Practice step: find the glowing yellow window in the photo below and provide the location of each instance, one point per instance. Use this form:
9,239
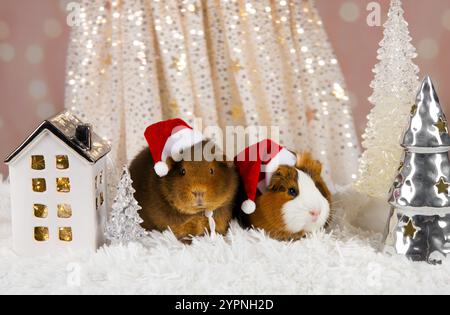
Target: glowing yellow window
40,211
39,185
38,162
65,234
41,234
64,211
62,162
63,184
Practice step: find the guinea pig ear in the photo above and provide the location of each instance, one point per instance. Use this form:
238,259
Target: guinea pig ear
223,160
277,180
306,163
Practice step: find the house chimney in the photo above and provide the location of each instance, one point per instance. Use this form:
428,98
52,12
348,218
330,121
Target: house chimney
83,135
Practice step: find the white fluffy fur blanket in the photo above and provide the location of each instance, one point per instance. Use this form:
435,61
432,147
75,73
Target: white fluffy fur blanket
244,262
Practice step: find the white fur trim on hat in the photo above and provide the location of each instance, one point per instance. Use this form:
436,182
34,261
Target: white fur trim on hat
248,206
284,157
181,140
161,168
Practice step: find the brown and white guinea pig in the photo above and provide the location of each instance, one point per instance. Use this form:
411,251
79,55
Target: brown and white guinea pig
296,202
179,200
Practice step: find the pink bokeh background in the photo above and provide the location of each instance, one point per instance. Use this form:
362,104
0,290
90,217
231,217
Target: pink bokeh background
34,37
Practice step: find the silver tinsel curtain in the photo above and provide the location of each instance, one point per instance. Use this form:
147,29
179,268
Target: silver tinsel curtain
230,62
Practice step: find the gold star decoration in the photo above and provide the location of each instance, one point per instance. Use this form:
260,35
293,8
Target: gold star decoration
441,125
179,64
108,60
173,105
236,66
236,112
442,186
243,14
413,110
311,114
410,230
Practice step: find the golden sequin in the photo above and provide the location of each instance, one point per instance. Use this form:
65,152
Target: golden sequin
236,66
179,63
339,92
193,8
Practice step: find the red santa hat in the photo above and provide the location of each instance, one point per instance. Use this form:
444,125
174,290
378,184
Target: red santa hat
256,165
167,139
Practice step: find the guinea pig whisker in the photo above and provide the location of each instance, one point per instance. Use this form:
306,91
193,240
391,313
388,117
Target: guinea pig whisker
334,218
337,202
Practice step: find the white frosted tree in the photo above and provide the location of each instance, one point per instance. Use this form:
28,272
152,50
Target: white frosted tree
394,88
124,224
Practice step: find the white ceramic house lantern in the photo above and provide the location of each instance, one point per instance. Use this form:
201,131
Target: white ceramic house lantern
58,187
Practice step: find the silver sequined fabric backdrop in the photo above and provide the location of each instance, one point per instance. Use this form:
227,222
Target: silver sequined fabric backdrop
34,38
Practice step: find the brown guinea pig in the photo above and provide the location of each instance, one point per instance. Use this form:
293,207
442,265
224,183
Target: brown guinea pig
296,202
179,200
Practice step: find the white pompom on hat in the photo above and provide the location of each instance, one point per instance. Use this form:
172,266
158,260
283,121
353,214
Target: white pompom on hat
167,138
256,165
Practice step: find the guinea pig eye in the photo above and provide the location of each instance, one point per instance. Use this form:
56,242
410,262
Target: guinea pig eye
211,171
182,172
292,192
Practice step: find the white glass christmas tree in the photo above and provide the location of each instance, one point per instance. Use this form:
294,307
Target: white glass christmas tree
124,223
394,88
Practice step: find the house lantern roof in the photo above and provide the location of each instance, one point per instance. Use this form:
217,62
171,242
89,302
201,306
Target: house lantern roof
73,132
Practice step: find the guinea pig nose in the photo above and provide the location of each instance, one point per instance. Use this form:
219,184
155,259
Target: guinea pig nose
315,213
199,196
198,193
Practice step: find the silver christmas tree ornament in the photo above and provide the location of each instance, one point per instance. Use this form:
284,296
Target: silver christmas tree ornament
422,182
419,222
428,130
